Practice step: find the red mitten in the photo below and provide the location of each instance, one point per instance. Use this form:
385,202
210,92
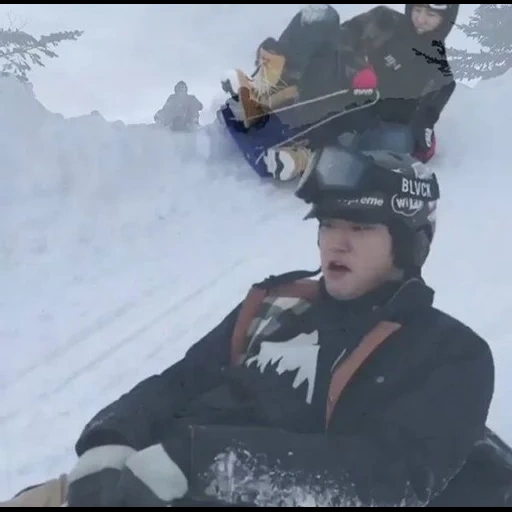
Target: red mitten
365,79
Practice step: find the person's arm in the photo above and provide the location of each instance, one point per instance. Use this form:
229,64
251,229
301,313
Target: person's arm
144,415
429,109
167,112
197,104
433,103
404,454
136,418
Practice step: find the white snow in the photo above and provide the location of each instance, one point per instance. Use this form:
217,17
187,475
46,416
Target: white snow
237,477
118,249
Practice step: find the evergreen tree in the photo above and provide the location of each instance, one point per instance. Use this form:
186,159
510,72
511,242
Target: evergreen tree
19,51
491,26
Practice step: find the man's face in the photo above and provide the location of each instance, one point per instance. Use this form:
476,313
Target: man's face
425,19
355,258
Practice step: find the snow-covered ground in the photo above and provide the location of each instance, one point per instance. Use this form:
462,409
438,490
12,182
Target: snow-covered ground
119,248
130,55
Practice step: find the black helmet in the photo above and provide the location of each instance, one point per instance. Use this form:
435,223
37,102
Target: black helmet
181,85
381,187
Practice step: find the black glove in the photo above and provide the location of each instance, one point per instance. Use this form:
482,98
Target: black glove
96,475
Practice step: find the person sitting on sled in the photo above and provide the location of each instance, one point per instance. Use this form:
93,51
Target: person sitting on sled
181,110
347,390
381,78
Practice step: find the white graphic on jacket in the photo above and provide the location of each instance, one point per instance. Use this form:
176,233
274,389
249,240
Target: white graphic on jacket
300,355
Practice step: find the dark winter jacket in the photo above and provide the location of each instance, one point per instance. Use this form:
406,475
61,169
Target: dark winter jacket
180,112
415,78
256,433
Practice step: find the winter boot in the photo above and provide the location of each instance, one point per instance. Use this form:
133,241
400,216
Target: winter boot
287,163
267,89
52,493
296,67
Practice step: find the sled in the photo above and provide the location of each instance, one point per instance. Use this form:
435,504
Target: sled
280,128
484,481
486,478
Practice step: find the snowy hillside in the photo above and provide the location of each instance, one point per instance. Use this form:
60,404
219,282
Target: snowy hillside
118,249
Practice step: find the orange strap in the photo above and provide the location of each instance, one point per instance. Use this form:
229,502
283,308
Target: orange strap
302,289
345,370
248,312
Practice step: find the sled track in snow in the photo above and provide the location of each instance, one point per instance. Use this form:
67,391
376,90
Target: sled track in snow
146,315
109,333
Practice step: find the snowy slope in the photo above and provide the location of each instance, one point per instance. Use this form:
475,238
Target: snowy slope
130,55
118,250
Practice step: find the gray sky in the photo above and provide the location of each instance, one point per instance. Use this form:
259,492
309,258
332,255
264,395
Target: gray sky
126,63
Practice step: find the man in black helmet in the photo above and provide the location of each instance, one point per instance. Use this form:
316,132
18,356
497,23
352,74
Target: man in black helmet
317,82
347,390
350,389
181,110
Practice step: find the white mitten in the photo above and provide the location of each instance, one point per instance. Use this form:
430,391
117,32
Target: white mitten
150,478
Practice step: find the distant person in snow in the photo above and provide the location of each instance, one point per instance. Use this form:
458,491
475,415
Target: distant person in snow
399,56
181,110
347,390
